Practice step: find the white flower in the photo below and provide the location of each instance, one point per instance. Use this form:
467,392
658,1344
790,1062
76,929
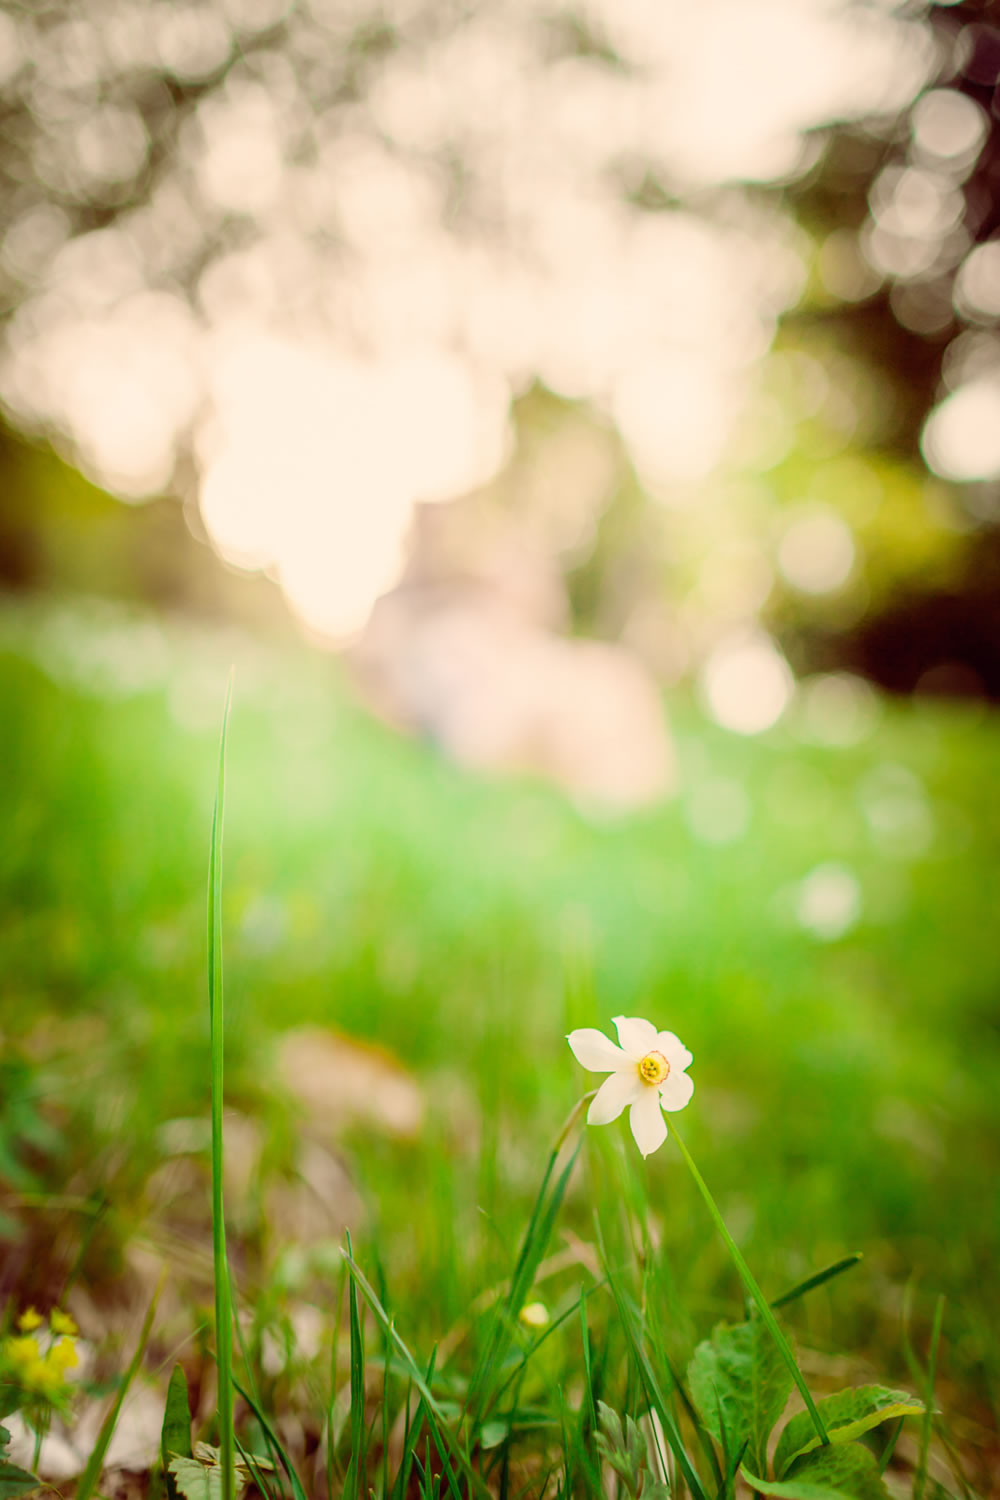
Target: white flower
647,1072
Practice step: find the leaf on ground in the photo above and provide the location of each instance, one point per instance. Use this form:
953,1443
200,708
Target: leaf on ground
15,1481
846,1415
846,1471
740,1383
195,1480
200,1477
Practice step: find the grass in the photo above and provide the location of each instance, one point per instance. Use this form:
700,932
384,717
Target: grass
845,1097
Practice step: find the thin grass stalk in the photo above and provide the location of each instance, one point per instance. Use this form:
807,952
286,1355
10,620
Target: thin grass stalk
890,1447
223,1301
95,1463
248,1367
440,1432
354,1482
274,1442
920,1479
749,1281
818,1279
334,1347
647,1379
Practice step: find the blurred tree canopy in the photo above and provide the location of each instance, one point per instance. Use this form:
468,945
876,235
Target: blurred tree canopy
188,162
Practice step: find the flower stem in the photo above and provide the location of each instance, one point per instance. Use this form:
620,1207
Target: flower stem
749,1281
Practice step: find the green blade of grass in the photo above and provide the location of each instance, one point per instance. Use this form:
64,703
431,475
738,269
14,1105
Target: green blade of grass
354,1483
588,1373
820,1277
274,1442
648,1380
749,1281
444,1439
482,1386
890,1447
518,1371
92,1472
256,1473
334,1347
704,1439
175,1434
248,1367
223,1304
920,1478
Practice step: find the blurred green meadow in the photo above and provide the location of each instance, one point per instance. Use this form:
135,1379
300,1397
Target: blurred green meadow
814,918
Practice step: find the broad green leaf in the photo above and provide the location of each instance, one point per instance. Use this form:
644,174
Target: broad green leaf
200,1478
846,1416
175,1435
15,1481
4,1437
195,1480
207,1453
739,1383
845,1471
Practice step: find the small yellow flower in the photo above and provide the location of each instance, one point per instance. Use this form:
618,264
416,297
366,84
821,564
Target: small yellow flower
40,1378
61,1322
22,1352
534,1315
29,1320
63,1356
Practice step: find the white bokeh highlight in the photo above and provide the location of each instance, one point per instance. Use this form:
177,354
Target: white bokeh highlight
746,683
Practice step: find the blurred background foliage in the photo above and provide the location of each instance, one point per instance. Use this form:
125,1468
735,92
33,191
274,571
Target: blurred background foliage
173,180
536,363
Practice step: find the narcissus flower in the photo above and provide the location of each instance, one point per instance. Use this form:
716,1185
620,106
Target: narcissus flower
647,1076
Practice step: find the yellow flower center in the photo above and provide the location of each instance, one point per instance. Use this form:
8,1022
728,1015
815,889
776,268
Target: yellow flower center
653,1068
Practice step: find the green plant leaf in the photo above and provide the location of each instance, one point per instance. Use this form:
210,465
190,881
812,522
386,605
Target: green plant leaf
840,1471
847,1414
175,1434
194,1480
739,1383
200,1477
493,1434
15,1481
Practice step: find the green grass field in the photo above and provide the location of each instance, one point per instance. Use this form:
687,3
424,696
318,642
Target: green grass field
817,922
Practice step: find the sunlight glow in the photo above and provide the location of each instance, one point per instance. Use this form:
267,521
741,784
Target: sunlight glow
816,554
374,278
961,437
829,901
746,683
312,464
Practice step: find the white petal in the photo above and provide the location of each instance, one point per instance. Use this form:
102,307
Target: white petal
593,1050
673,1049
613,1095
648,1125
636,1036
677,1090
